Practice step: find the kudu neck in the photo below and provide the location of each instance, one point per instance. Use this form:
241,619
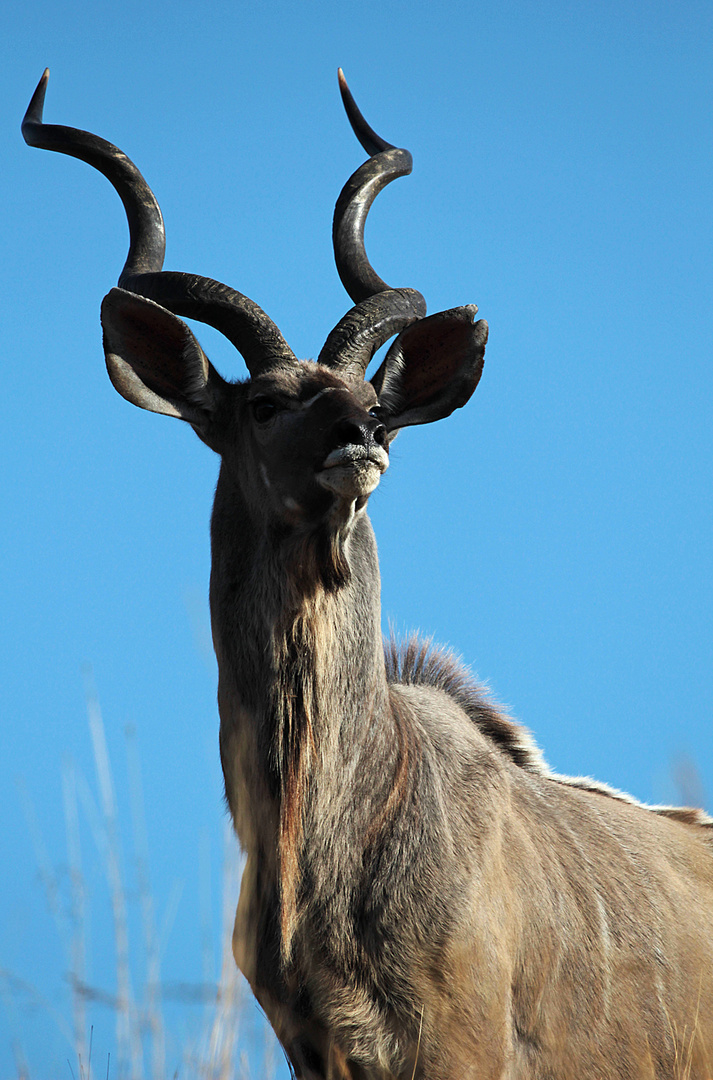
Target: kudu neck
293,606
303,693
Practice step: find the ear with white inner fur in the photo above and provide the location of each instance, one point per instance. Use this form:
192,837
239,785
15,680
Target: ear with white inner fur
155,362
432,368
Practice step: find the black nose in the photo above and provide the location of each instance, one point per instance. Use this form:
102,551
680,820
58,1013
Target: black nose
361,432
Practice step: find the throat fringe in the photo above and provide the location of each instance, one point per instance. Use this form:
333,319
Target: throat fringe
302,650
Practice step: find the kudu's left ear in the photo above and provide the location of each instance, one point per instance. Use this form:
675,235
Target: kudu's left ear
155,362
432,368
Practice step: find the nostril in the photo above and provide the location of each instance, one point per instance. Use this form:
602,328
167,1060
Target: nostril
379,434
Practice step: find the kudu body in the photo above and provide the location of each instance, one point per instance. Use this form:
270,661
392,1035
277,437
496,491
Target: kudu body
421,896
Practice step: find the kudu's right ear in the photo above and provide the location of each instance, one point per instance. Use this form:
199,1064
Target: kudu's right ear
155,362
432,368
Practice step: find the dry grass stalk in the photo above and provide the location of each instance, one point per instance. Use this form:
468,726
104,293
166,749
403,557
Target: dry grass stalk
218,1054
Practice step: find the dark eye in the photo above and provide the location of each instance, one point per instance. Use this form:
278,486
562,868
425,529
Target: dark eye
263,409
377,412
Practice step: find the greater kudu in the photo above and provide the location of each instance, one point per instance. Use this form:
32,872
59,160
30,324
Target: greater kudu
422,897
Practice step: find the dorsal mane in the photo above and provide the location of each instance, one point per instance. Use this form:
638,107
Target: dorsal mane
418,662
689,815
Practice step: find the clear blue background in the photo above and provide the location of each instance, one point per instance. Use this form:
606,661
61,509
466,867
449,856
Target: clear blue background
556,532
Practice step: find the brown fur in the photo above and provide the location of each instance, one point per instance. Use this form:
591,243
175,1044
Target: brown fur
296,701
407,753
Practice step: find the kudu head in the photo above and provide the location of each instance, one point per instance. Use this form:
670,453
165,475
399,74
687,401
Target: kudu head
304,443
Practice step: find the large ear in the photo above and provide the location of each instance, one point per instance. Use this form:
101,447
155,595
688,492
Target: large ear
155,362
432,368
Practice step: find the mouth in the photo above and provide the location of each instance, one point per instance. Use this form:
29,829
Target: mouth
353,471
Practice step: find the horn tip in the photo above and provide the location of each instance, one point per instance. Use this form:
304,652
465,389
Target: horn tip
372,143
36,106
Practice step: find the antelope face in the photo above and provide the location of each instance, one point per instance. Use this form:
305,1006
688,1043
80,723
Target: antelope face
317,442
304,442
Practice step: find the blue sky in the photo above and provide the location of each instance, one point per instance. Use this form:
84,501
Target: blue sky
556,532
